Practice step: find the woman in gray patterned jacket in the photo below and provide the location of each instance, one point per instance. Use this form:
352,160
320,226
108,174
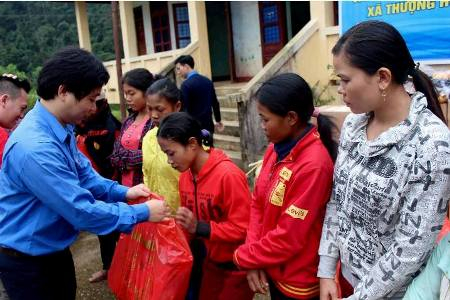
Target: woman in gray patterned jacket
391,178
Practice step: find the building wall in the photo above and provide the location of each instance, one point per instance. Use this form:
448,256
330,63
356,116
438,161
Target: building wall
246,38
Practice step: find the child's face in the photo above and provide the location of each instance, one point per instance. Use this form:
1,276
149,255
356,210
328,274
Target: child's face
134,98
276,128
159,107
180,157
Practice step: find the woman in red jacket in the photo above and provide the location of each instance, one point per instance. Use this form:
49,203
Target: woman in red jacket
215,205
291,193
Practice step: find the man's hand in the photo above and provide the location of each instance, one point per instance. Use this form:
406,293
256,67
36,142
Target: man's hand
328,289
159,210
257,280
137,191
186,218
219,126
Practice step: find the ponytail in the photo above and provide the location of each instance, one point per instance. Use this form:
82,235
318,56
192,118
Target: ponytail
423,84
326,128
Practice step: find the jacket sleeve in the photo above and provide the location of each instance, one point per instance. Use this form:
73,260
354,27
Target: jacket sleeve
256,216
256,208
236,206
305,203
328,249
422,211
59,190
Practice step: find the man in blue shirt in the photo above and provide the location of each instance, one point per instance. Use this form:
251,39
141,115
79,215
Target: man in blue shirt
48,189
198,95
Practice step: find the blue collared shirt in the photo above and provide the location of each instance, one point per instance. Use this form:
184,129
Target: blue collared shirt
191,73
49,191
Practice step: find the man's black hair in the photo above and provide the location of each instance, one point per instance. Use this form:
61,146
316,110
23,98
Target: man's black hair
185,60
78,70
12,84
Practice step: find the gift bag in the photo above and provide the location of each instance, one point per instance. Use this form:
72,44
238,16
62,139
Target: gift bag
153,262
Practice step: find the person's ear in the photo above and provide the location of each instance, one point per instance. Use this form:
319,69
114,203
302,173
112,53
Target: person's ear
192,143
3,100
292,118
62,92
178,106
384,78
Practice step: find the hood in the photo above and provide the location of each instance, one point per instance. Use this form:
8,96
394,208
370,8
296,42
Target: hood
216,158
355,130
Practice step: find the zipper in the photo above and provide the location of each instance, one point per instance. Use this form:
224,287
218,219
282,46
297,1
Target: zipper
194,181
275,165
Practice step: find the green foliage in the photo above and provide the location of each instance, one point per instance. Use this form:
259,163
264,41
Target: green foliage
30,32
321,95
100,28
12,69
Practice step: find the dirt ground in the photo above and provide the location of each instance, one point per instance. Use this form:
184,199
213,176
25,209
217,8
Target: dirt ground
86,255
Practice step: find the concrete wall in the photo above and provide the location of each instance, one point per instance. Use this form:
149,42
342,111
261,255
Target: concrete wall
246,38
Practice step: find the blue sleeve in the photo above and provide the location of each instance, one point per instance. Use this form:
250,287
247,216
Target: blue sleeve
47,175
100,187
427,285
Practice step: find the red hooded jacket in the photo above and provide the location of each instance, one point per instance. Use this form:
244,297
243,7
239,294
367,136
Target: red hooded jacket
286,218
220,196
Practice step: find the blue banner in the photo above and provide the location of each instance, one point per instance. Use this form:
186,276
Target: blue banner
425,25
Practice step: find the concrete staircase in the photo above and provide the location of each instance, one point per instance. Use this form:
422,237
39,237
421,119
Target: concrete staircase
229,139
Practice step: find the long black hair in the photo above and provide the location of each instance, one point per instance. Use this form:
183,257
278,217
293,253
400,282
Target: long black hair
372,45
165,88
290,92
180,127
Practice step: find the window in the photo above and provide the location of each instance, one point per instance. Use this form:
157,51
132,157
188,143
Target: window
160,25
181,22
270,23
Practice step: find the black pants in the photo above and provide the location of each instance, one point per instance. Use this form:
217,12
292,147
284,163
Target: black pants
107,246
46,277
198,250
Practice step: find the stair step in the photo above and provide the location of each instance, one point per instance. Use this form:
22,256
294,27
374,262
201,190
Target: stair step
227,142
231,128
236,157
229,114
224,88
224,91
225,102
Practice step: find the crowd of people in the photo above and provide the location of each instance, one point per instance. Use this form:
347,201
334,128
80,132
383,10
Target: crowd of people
354,218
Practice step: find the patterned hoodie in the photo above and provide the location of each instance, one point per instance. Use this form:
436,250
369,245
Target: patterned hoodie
389,199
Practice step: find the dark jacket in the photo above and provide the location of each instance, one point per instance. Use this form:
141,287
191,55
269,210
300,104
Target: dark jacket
99,135
199,100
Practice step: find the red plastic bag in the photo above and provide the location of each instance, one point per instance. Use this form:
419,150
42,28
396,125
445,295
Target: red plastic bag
153,262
